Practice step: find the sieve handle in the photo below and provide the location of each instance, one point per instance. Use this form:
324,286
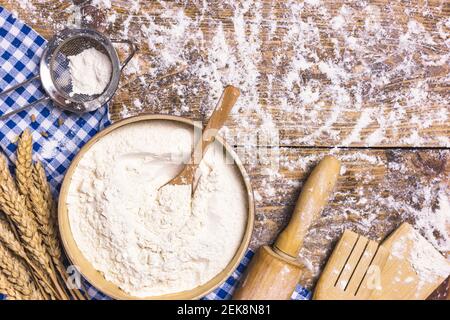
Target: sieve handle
133,49
7,115
19,85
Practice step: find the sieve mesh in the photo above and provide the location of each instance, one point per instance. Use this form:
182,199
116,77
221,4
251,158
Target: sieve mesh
59,66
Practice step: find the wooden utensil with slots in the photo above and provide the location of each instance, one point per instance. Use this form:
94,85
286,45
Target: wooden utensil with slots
352,272
273,272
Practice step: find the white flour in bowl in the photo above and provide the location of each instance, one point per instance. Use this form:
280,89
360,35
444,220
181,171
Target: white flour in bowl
90,72
148,242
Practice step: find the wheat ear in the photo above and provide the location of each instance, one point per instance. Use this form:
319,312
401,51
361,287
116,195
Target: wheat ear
42,208
17,274
45,212
13,205
42,204
9,240
24,165
6,287
32,182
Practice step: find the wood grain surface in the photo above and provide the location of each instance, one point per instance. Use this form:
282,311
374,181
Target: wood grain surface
384,181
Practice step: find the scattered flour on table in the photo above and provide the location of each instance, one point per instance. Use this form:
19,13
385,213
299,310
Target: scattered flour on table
90,72
49,148
435,223
149,242
320,63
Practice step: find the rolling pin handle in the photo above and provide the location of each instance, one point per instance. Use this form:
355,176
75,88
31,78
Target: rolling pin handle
312,200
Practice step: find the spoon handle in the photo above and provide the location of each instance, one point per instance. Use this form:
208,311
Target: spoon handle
216,121
218,118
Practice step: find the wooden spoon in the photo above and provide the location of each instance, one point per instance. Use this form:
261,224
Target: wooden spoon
216,121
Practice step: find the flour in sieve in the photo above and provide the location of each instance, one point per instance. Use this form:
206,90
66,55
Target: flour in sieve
149,242
90,72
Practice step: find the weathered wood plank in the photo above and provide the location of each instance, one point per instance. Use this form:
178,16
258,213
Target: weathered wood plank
339,73
408,107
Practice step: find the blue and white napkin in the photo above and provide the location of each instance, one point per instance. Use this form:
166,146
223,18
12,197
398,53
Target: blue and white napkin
57,135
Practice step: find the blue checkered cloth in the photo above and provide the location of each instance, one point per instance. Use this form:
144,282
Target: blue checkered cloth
57,135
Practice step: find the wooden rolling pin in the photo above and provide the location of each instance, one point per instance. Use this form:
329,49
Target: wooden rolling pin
274,273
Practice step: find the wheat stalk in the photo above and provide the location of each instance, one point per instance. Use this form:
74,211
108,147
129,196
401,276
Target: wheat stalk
45,214
17,274
43,209
32,182
30,208
42,205
12,203
24,165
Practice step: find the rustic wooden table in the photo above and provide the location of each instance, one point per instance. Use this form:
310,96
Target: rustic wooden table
367,81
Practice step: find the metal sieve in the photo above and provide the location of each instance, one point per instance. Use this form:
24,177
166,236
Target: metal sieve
55,75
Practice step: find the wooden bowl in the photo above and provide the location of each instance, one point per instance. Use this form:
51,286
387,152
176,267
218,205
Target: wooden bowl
94,276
